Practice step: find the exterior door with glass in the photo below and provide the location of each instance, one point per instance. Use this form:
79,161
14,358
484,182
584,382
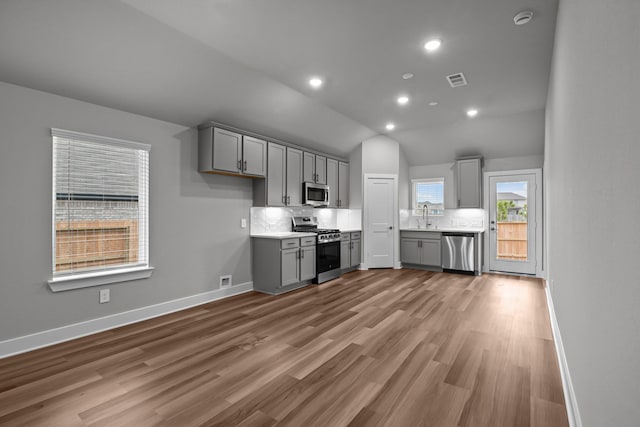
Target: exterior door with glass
512,223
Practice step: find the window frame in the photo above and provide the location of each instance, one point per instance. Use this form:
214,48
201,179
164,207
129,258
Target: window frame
62,281
417,209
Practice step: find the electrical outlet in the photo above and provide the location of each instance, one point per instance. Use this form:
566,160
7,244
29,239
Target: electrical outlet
243,223
105,296
225,281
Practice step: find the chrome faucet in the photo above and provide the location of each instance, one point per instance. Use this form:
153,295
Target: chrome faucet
425,215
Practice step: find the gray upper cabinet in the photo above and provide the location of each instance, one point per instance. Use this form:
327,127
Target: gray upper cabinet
283,166
254,159
321,170
223,151
309,167
332,182
226,150
343,185
294,177
469,183
275,182
315,168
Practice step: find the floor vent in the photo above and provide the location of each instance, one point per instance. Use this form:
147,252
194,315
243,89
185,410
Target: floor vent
457,80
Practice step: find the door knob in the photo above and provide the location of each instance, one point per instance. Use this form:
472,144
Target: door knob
390,227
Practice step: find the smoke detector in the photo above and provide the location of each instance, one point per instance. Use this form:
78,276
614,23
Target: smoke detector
523,17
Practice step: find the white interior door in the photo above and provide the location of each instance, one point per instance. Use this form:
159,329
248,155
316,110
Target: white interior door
512,223
379,227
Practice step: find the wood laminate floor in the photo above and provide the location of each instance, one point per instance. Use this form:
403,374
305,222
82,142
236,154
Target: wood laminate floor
373,348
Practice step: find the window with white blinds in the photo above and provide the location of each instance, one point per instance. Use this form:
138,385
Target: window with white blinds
100,204
429,193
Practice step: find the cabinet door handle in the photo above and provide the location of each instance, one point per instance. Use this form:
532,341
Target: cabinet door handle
245,165
288,200
239,164
301,254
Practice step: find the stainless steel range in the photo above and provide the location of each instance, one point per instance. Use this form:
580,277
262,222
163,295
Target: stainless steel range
327,247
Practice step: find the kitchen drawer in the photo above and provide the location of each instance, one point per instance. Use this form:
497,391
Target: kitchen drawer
355,235
290,243
435,235
308,241
345,237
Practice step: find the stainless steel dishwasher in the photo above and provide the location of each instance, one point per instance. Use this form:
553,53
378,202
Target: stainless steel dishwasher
458,252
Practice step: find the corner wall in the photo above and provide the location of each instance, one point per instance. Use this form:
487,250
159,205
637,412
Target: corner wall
195,233
592,173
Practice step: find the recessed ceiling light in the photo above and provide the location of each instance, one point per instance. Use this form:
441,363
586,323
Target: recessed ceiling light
433,103
472,112
315,82
432,45
403,99
407,76
390,126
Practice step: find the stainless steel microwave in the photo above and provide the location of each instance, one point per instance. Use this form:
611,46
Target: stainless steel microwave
316,195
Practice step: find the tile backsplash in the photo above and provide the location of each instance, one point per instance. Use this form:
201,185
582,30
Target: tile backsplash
458,218
265,220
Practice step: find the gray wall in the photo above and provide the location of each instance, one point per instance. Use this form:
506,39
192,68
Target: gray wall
592,171
355,178
513,163
403,180
195,233
380,154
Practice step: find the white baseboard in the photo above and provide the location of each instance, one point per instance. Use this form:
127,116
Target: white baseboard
65,333
569,394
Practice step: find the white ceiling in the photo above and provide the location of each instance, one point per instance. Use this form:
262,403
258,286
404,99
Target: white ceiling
246,63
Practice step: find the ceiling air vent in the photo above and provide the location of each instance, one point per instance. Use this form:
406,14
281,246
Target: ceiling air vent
457,80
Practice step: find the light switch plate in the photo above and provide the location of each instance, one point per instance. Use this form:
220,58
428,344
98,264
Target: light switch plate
243,223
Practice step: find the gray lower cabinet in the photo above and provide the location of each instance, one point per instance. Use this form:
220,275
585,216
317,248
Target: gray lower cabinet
290,266
295,257
421,248
355,253
307,262
350,250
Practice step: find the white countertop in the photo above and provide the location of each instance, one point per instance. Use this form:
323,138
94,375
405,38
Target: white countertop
349,230
282,235
446,230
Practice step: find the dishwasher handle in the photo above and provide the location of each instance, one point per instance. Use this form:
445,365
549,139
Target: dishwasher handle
458,234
